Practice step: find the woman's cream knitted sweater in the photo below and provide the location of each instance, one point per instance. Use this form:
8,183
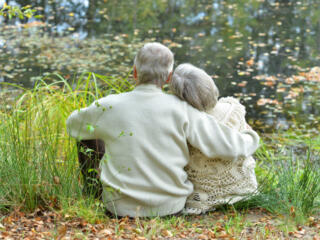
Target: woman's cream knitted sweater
219,181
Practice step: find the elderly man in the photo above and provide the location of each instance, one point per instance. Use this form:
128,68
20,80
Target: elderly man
146,132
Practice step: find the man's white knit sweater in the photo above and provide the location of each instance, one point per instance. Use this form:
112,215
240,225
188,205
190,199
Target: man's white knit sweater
146,133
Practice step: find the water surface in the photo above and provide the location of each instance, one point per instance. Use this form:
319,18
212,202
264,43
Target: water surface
259,51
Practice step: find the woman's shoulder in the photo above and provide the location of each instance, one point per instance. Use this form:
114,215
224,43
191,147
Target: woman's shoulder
229,111
233,103
230,100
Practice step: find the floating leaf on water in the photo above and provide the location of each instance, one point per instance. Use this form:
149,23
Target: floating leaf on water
279,90
289,80
264,101
269,83
262,45
242,84
250,62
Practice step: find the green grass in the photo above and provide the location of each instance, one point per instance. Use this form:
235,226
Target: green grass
40,168
289,174
38,159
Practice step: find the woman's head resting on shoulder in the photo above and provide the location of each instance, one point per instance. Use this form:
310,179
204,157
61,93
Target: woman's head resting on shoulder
153,64
194,86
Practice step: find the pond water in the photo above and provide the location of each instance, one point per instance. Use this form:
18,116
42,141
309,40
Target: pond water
265,52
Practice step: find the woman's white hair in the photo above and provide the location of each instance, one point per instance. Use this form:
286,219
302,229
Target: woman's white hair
194,86
154,63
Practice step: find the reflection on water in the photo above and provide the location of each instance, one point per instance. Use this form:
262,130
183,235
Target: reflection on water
260,51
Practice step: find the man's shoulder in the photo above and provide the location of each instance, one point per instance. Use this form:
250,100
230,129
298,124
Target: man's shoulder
164,98
113,97
174,98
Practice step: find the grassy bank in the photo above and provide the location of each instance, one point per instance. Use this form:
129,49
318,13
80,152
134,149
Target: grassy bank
38,158
40,170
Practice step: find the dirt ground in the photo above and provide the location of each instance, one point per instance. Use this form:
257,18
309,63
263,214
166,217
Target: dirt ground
253,224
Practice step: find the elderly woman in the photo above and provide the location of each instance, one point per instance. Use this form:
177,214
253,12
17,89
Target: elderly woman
216,180
145,133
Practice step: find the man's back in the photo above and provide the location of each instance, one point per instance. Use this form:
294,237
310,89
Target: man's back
146,152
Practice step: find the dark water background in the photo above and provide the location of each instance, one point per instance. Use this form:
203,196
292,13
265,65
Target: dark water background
261,51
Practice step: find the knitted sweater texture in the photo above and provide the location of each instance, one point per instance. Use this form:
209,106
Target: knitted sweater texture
218,180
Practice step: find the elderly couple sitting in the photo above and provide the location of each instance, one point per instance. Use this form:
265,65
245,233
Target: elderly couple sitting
163,153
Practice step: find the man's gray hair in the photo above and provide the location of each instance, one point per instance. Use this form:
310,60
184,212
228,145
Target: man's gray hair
194,86
154,63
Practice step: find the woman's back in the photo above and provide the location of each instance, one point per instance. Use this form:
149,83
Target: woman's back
220,181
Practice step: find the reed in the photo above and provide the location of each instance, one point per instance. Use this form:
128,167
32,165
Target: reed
38,159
